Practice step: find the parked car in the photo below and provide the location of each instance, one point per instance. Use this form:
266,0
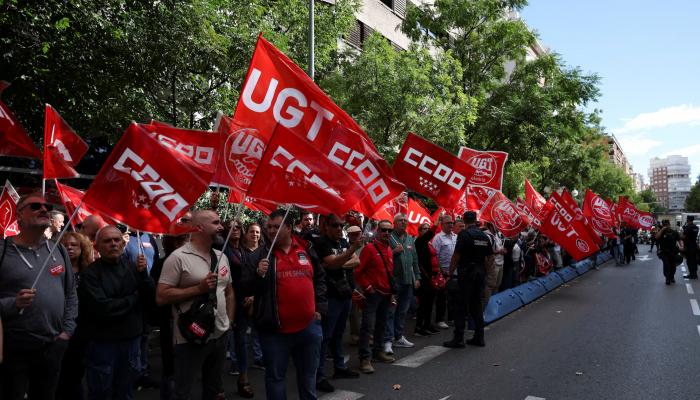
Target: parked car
644,237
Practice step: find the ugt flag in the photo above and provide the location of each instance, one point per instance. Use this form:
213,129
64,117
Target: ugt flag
571,203
8,203
146,185
561,226
504,215
432,171
595,207
292,172
417,215
537,202
15,141
489,166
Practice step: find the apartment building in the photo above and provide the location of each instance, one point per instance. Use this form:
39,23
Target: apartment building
670,179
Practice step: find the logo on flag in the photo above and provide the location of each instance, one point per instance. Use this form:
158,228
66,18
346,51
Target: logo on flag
243,150
582,245
504,215
646,220
5,214
601,209
485,166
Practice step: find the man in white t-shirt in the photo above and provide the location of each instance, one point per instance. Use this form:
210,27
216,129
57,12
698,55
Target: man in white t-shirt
186,275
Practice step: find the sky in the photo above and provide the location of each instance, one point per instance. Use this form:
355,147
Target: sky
647,53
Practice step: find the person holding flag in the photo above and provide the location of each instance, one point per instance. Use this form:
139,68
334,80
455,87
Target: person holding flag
36,341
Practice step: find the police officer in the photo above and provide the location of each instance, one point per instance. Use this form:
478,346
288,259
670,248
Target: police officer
667,239
690,238
473,256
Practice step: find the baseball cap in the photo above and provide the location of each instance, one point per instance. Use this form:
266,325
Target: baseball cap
354,229
470,215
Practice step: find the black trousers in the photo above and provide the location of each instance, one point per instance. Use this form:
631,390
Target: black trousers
207,362
669,265
441,307
70,383
692,261
471,292
629,252
33,372
426,296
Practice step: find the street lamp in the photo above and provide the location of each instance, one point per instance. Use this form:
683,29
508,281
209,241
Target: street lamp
575,193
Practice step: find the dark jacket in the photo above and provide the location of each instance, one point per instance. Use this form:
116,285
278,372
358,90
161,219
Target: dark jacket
422,244
110,308
265,312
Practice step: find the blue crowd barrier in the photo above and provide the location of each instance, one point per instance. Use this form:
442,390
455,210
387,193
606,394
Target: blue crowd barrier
551,281
583,266
501,304
530,291
567,273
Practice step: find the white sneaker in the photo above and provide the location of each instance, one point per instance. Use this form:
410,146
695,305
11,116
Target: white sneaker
403,342
442,325
387,348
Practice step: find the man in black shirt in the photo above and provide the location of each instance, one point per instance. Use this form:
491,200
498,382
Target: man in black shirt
628,234
317,231
473,256
339,259
667,239
113,293
690,238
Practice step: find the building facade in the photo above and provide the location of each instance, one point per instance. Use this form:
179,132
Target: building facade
670,180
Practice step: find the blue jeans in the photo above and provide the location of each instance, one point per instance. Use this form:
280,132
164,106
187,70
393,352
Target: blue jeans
397,316
255,344
304,347
238,345
374,316
619,255
112,367
333,325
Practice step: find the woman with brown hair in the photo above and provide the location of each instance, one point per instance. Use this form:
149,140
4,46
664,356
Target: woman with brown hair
70,383
253,237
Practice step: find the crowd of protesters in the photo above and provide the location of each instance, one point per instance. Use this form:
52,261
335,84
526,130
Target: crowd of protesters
88,318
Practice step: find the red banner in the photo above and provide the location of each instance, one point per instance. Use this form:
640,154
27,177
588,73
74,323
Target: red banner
417,215
534,199
561,226
476,197
646,220
199,148
146,195
277,91
571,203
15,141
63,149
595,207
613,211
241,151
292,172
489,166
544,264
432,171
504,215
71,198
252,203
8,202
528,211
602,227
354,152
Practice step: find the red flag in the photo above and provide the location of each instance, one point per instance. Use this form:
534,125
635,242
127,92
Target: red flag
432,171
145,195
292,172
277,91
354,152
646,220
489,166
437,213
539,204
602,227
71,198
417,215
254,204
476,197
571,203
8,202
15,141
630,214
242,149
63,149
562,227
613,211
387,211
178,229
544,264
595,207
504,215
527,210
200,148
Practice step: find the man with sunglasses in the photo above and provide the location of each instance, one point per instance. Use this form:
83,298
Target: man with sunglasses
373,277
407,276
339,259
35,341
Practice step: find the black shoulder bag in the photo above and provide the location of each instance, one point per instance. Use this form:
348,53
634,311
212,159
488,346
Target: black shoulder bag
392,282
197,324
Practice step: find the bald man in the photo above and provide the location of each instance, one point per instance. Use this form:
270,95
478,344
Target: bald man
91,225
113,291
188,274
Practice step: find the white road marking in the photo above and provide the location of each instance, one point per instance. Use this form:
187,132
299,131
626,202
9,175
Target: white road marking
534,398
644,258
690,288
445,398
683,269
342,395
421,356
694,304
698,328
347,357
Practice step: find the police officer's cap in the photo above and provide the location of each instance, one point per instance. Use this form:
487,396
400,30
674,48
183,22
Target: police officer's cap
665,222
470,215
691,218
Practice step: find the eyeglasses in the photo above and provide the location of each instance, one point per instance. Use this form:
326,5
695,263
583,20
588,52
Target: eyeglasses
386,230
37,206
336,225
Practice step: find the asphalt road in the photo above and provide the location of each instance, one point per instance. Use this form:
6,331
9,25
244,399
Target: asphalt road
613,333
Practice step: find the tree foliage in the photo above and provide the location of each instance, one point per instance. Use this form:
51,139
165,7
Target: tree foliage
692,202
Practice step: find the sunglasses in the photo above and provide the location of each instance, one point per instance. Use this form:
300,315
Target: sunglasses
37,206
401,220
336,225
386,230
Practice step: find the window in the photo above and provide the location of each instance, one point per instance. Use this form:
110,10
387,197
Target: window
388,3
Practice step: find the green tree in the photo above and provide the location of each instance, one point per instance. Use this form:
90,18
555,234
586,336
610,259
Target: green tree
692,202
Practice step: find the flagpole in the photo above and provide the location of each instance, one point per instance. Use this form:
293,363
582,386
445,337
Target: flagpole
43,187
272,245
58,241
311,39
138,240
238,214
